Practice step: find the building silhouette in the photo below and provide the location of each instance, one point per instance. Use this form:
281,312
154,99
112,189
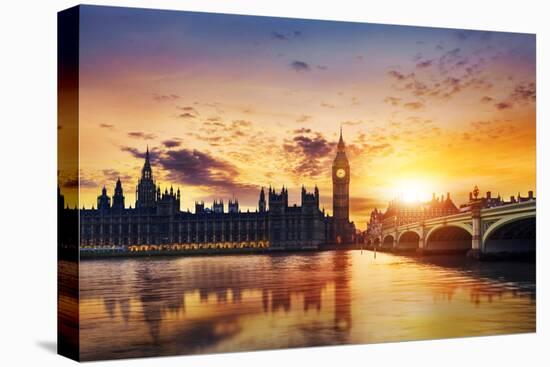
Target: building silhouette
343,229
489,201
157,219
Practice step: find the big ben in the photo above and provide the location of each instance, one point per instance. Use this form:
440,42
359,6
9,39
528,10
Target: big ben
340,193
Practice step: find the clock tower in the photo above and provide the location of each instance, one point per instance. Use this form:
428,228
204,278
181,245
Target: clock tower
340,193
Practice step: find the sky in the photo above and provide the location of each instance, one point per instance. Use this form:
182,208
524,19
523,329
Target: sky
228,104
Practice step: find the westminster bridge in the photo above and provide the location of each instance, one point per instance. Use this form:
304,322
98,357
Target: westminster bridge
480,232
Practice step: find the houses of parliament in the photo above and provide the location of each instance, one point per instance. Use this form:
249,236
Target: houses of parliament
156,218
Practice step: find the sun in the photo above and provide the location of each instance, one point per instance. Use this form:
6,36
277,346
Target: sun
412,191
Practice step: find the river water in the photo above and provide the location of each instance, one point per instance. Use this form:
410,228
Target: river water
186,305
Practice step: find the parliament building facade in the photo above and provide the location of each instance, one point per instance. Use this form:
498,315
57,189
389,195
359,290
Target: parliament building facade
156,218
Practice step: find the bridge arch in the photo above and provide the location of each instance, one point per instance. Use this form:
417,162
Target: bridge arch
409,239
511,234
388,241
466,227
450,237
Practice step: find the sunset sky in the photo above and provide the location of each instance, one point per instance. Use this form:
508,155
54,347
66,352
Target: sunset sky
228,104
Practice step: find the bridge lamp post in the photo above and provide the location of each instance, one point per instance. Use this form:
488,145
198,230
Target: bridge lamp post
475,205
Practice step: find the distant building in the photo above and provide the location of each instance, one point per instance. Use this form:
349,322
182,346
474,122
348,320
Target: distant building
400,212
405,212
374,225
488,201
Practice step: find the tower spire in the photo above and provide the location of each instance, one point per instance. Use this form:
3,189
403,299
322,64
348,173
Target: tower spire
146,190
147,172
341,145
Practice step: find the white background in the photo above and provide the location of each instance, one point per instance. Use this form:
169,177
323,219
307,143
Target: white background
28,182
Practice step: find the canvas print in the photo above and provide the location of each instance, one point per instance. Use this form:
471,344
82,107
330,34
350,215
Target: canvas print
233,183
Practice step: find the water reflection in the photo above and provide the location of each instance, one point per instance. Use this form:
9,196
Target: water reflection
162,306
497,280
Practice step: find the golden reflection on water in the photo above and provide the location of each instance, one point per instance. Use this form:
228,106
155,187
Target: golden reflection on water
163,306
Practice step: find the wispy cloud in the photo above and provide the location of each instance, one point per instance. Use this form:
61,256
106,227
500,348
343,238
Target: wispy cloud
308,152
141,135
521,94
352,122
304,118
327,105
397,75
300,66
524,93
394,101
279,36
286,36
424,64
172,143
165,97
414,105
186,115
189,109
112,175
503,105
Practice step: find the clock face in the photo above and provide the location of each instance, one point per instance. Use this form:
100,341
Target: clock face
340,173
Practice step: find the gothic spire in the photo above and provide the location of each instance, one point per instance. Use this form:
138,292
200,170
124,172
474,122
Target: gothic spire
147,172
341,145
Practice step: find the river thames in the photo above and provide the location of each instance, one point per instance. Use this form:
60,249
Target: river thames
186,305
